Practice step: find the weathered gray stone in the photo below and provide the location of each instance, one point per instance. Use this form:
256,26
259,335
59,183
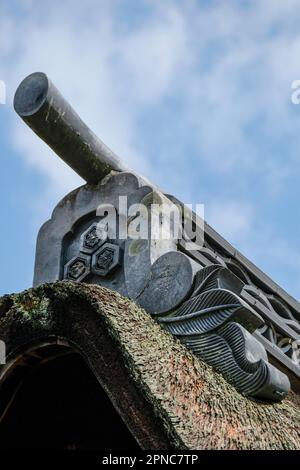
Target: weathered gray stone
202,291
91,239
169,282
106,259
42,107
78,268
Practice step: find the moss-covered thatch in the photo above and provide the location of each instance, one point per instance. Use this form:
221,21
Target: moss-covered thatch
193,407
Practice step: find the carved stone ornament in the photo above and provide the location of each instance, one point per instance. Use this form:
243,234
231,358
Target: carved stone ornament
93,238
78,268
221,306
106,259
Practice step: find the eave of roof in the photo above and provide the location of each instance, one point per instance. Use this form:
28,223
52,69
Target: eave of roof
167,396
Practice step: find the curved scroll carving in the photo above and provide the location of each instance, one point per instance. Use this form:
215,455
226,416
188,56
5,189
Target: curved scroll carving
280,333
216,324
220,313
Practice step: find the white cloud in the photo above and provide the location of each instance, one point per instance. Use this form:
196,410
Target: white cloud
152,56
106,76
223,62
229,65
232,219
237,223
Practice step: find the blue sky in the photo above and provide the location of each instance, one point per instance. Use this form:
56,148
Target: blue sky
195,95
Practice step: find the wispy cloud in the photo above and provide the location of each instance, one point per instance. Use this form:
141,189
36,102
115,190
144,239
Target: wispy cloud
108,76
231,218
196,95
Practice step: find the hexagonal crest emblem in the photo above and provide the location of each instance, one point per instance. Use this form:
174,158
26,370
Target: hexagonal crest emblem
106,259
93,238
77,268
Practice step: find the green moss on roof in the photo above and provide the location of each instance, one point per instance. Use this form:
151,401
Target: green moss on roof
198,409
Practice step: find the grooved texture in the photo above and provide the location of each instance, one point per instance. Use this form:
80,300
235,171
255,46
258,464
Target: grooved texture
194,406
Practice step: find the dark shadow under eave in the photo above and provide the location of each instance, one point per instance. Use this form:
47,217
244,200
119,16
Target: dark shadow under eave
61,405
